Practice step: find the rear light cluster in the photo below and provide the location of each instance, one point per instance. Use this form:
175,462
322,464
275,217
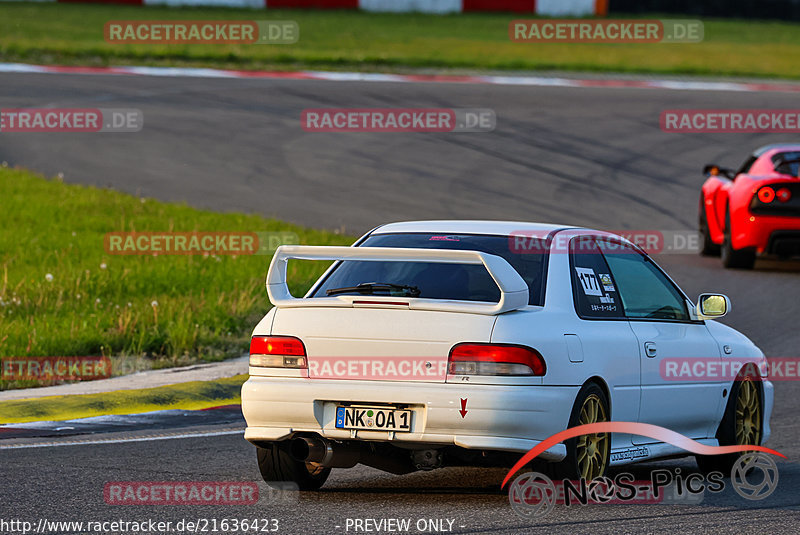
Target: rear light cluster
767,194
464,359
495,359
277,352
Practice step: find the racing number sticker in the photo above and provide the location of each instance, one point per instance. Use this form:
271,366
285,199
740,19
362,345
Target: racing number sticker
588,281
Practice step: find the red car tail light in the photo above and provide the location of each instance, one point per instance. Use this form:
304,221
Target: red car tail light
277,352
495,359
783,194
766,194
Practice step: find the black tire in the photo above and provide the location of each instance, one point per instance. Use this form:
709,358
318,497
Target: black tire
726,433
282,471
735,258
709,248
569,467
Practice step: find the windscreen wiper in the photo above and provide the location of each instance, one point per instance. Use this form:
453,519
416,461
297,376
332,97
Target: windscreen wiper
371,288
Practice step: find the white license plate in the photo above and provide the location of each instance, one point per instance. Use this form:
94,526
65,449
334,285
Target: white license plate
373,418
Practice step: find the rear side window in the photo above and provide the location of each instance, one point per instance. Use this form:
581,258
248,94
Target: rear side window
436,280
593,287
645,291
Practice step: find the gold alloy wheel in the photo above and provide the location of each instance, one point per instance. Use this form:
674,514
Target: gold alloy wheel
592,450
748,414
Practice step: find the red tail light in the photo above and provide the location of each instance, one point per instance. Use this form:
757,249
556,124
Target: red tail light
277,352
766,194
783,194
495,359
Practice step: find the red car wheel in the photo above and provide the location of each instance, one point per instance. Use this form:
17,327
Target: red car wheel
735,258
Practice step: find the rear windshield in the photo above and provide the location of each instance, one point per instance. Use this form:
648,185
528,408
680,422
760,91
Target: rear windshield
437,280
790,168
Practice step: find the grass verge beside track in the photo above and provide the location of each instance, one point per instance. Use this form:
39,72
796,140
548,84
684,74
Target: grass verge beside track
62,294
65,33
194,395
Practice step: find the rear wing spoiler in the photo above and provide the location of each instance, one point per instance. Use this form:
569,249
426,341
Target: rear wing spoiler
513,290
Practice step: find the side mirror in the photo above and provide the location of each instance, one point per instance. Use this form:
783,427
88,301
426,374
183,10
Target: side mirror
712,306
715,170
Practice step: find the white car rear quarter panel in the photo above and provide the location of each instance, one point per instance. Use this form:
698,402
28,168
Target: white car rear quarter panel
610,349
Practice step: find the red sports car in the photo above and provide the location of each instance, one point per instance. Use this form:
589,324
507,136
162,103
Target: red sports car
754,211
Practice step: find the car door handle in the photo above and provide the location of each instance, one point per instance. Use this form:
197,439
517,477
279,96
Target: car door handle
650,349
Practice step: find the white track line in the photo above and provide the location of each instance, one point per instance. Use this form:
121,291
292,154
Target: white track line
121,440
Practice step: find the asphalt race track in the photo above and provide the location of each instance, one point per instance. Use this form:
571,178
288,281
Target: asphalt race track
583,156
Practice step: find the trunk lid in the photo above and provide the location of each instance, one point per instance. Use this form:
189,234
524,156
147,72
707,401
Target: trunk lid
379,343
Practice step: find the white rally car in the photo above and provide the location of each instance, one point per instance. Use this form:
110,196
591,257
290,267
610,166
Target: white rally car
442,343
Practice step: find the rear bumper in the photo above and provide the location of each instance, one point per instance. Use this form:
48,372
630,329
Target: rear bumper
784,243
767,234
499,418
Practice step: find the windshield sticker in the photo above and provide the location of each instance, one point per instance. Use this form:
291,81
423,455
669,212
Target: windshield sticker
603,308
605,280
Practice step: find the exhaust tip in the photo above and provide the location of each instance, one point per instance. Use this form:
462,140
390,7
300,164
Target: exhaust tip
299,449
324,452
311,450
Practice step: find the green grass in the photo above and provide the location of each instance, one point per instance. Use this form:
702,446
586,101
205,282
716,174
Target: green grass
73,34
168,309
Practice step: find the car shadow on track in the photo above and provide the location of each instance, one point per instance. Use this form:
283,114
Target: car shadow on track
456,484
785,266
